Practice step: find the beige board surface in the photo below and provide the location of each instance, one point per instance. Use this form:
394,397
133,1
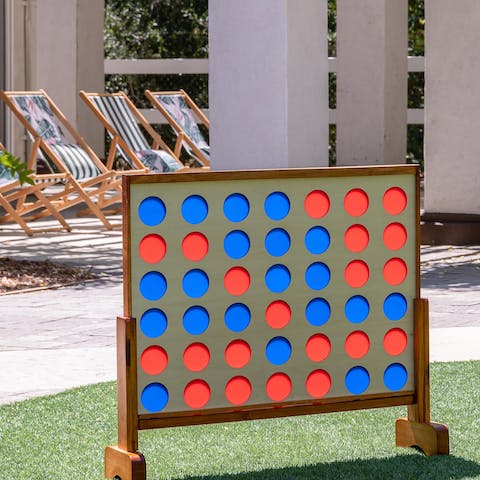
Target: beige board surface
216,300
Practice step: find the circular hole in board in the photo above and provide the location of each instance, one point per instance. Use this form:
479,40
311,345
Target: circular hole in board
154,397
195,246
277,206
278,387
394,200
318,383
196,394
278,314
236,207
194,209
356,202
154,360
236,281
238,390
317,204
151,211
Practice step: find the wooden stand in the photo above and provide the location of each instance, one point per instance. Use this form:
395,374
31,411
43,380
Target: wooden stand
416,429
124,461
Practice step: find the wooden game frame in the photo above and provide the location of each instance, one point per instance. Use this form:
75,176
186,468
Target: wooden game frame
416,429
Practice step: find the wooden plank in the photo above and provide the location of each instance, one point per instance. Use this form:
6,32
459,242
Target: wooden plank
148,421
324,172
127,384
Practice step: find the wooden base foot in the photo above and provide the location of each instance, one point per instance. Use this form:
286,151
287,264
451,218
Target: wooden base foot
431,438
125,465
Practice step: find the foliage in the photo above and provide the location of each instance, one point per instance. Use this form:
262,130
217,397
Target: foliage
16,168
149,29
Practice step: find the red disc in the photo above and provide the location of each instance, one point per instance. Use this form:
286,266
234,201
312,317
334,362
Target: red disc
196,357
238,390
238,354
195,246
356,202
152,248
318,347
154,360
237,281
278,387
395,341
395,271
356,238
278,314
395,236
357,344
318,383
317,204
357,273
394,201
196,394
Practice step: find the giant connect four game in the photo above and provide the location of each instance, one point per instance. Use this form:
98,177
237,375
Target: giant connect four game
260,288
261,294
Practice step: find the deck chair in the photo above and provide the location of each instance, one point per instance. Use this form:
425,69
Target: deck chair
121,119
183,115
87,179
23,203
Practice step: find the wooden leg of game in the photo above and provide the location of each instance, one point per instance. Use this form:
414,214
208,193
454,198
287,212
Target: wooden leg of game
124,465
417,430
123,460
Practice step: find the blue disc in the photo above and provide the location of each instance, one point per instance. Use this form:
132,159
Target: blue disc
195,283
277,206
317,276
194,209
357,309
357,380
236,244
236,207
153,323
317,240
151,211
154,397
237,317
395,306
278,350
317,312
277,242
277,278
395,376
196,320
153,286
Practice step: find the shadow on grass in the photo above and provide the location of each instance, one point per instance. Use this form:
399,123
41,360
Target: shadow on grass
401,467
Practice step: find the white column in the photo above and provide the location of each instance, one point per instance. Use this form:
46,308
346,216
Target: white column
372,75
69,58
452,107
268,83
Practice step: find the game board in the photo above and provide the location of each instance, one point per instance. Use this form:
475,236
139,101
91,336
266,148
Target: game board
270,293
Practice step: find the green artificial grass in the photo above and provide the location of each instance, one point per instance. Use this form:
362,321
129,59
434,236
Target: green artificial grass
63,437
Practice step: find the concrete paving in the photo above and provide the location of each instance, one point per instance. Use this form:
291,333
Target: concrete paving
52,340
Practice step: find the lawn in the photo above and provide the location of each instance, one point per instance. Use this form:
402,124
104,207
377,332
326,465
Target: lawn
63,437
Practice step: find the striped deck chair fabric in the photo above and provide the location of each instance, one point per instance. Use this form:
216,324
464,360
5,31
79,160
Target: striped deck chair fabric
116,111
38,113
183,115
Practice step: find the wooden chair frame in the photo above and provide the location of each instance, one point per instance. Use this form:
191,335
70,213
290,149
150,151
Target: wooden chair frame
13,199
117,140
75,191
182,136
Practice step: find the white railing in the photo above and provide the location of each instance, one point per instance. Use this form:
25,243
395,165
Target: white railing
197,66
